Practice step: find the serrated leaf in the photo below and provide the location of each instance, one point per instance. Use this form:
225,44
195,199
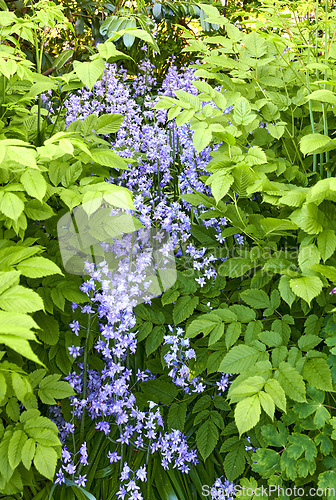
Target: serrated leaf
235,462
309,255
315,143
108,124
232,333
291,381
308,218
274,389
177,416
38,267
220,184
306,287
326,242
28,452
247,413
11,205
184,308
239,358
285,290
20,298
45,460
206,438
257,299
34,183
89,72
267,403
15,446
317,372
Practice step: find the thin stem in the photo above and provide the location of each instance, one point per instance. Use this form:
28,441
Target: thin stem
86,349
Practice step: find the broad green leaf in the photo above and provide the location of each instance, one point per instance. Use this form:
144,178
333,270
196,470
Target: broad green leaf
247,413
306,287
291,381
11,205
323,95
309,255
235,462
265,461
34,183
316,143
240,358
28,452
51,388
177,416
220,184
248,387
89,72
257,299
184,308
317,372
267,403
232,333
15,447
255,45
108,124
235,267
274,437
206,438
326,242
242,112
285,290
38,267
299,444
109,158
308,218
155,339
276,131
159,391
255,156
20,298
202,138
45,460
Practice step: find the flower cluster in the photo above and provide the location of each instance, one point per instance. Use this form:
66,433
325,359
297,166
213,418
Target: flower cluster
176,358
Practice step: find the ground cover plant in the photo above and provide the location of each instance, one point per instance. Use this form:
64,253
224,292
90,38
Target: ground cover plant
110,389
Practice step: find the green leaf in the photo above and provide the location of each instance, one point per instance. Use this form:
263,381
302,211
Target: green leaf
204,324
273,437
177,416
247,413
45,460
11,205
326,242
109,124
184,308
20,298
159,391
255,156
317,372
248,387
300,443
308,218
38,267
276,131
235,462
327,480
34,183
109,158
267,403
309,255
316,143
257,299
15,447
242,112
206,438
291,381
308,342
28,452
235,267
155,339
232,333
265,462
285,290
51,388
89,72
255,44
49,326
202,138
306,287
323,95
274,389
239,358
220,184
